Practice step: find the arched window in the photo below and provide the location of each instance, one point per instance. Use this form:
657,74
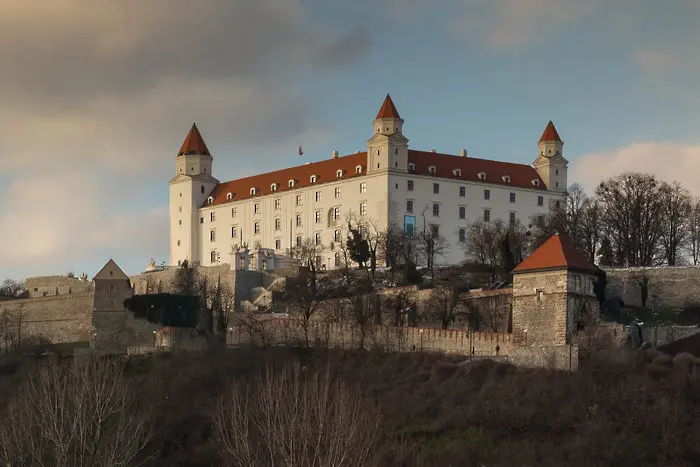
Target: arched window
229,196
432,169
339,173
253,191
292,183
358,169
457,172
210,200
313,179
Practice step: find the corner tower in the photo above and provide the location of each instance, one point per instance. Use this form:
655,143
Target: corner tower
189,189
550,163
387,149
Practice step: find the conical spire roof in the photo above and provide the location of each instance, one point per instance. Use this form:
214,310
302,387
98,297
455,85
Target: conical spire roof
559,252
550,133
194,143
388,109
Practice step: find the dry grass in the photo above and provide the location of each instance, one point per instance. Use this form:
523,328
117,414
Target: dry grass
413,409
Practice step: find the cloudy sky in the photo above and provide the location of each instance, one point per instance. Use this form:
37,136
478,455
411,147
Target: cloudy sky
97,96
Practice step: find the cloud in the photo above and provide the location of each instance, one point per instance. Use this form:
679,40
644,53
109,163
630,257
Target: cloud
668,161
98,95
514,23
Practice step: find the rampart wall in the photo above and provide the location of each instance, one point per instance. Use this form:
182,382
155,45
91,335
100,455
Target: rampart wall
674,286
44,286
54,319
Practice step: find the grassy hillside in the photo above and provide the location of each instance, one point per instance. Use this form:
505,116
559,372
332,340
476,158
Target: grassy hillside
409,409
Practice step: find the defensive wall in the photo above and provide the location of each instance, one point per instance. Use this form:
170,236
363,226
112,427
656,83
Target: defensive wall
44,286
675,287
53,319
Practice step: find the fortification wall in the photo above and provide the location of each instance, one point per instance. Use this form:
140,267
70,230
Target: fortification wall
675,287
115,331
55,319
44,286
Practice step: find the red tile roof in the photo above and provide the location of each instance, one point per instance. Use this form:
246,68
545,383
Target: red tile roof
388,109
521,175
559,252
194,143
325,171
550,133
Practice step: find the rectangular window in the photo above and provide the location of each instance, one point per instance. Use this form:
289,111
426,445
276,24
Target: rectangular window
487,194
213,257
278,244
540,295
540,201
201,220
212,217
363,187
409,225
512,197
336,235
337,192
278,224
336,213
256,208
435,230
234,211
233,232
557,204
337,259
278,204
212,235
318,217
112,303
318,196
317,238
462,212
409,205
363,209
111,288
540,221
462,191
299,200
298,220
298,240
436,209
462,235
436,188
256,228
487,215
409,185
512,218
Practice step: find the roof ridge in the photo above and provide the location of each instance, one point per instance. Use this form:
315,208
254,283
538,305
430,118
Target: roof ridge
557,252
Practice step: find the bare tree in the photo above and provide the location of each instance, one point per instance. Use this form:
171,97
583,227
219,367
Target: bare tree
304,300
296,417
400,303
309,254
497,245
631,207
496,311
11,289
11,318
432,245
693,243
444,304
364,309
676,208
77,413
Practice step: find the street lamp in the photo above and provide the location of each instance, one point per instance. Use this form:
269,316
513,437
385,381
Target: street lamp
421,339
525,336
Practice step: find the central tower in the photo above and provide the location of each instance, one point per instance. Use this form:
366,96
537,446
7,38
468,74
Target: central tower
387,149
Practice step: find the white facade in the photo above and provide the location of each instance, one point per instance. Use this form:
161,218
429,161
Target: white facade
389,184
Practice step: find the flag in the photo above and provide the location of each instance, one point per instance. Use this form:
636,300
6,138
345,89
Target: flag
301,153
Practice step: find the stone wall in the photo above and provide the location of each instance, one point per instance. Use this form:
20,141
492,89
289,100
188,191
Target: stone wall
562,357
541,317
55,319
115,331
43,286
661,335
675,287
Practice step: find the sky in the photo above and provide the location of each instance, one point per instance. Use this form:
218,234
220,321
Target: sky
97,97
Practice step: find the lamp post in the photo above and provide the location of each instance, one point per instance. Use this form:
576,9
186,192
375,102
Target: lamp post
525,336
421,339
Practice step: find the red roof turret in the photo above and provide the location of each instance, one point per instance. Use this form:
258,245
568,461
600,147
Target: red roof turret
194,144
559,252
550,133
388,109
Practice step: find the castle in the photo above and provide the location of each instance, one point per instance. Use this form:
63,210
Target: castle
387,185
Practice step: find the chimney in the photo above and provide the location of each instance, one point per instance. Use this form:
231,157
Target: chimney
334,154
463,152
433,151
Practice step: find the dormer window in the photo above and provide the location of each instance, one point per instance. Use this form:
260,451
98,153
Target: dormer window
457,172
229,196
253,191
273,187
292,183
313,178
411,167
210,200
339,173
432,170
506,178
358,169
482,175
535,182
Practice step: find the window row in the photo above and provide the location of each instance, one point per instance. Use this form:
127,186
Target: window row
463,192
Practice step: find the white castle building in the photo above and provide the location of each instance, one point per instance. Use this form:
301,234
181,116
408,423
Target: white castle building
389,184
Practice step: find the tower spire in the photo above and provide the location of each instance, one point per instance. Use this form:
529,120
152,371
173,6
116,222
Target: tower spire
388,109
194,144
550,133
